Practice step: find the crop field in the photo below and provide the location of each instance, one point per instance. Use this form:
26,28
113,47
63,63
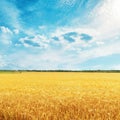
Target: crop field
59,96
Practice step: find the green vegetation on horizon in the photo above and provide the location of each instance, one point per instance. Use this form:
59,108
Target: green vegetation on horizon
2,71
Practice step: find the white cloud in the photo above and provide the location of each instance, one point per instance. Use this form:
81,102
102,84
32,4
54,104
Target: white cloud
78,41
60,59
42,27
116,67
38,40
106,18
11,13
48,60
16,31
5,35
101,51
104,28
5,30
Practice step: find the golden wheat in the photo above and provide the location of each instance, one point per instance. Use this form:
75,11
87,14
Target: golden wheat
59,96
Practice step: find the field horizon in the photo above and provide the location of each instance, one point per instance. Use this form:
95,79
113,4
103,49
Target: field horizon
107,71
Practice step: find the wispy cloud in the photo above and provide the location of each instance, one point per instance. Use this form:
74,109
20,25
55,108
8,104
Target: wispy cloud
10,14
116,67
5,35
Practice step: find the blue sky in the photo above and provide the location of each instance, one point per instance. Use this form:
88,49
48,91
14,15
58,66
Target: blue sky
59,34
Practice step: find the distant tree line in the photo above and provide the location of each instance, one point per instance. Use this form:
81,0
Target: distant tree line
60,71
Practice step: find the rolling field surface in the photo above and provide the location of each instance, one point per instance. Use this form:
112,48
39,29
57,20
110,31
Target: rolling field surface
59,96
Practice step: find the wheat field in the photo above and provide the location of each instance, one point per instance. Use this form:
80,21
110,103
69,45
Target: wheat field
59,96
